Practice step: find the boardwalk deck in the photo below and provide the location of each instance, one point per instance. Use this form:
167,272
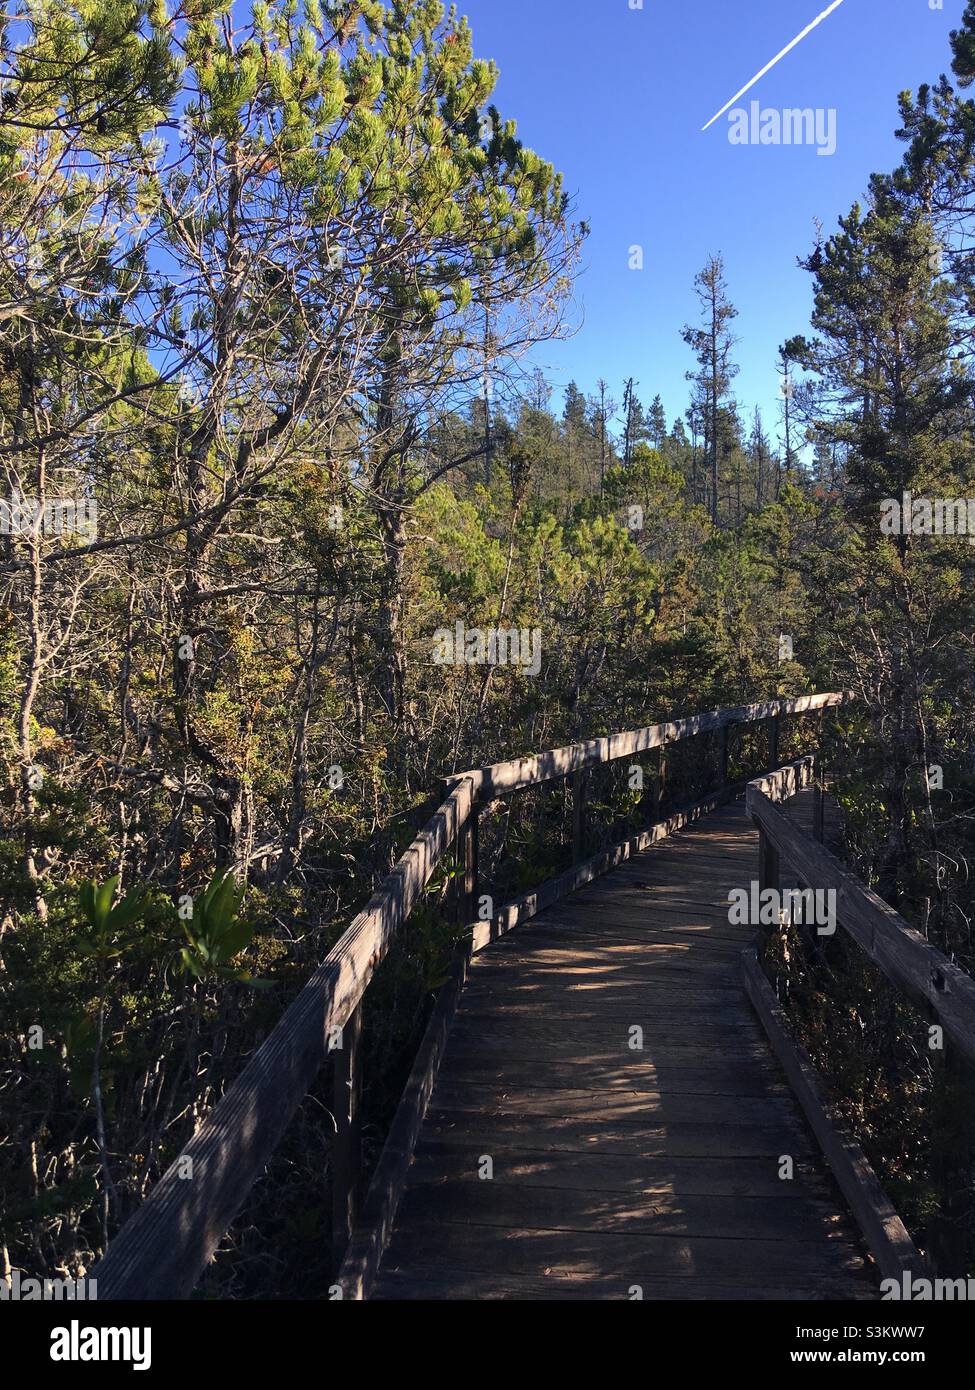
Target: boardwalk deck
612,1169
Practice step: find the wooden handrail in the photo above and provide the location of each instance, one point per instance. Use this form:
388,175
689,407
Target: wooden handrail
901,952
501,779
163,1249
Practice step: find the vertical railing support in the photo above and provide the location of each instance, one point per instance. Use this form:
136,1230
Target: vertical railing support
468,864
773,743
768,876
724,740
768,862
661,782
347,1149
819,784
951,1164
579,789
819,808
462,890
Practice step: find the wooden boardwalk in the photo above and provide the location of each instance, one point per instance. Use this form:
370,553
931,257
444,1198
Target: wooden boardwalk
599,1114
557,1160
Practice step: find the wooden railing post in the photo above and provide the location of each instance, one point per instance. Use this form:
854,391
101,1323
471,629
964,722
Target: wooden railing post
462,890
579,790
819,808
347,1149
468,863
773,743
661,782
724,739
951,1165
768,862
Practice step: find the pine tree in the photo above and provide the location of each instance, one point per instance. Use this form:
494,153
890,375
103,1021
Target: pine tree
762,463
712,345
603,408
884,316
890,397
637,427
657,423
963,47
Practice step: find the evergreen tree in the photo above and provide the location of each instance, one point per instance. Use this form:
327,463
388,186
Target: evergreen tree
712,344
657,423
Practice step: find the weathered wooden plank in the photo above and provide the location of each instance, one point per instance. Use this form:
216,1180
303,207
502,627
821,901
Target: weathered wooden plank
645,1136
660,996
663,935
672,1105
580,960
785,782
677,1036
443,1161
632,1000
444,1283
735,1076
713,856
669,881
604,976
671,1013
719,935
636,906
513,1206
649,959
681,1038
665,904
606,1254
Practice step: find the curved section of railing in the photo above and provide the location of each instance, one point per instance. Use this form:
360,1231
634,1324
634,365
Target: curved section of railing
163,1249
918,970
910,962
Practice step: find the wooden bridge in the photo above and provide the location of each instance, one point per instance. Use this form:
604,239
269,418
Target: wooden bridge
608,1101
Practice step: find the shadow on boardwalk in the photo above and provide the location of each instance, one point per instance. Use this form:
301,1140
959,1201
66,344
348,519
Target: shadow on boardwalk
560,1160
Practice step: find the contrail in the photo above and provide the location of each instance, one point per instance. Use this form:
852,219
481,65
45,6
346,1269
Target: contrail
778,58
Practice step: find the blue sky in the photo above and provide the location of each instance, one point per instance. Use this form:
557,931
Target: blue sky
616,99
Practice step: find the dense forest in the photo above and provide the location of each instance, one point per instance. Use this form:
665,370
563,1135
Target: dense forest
270,425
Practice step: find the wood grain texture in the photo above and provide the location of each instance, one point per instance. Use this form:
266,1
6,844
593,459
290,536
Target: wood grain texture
558,1160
